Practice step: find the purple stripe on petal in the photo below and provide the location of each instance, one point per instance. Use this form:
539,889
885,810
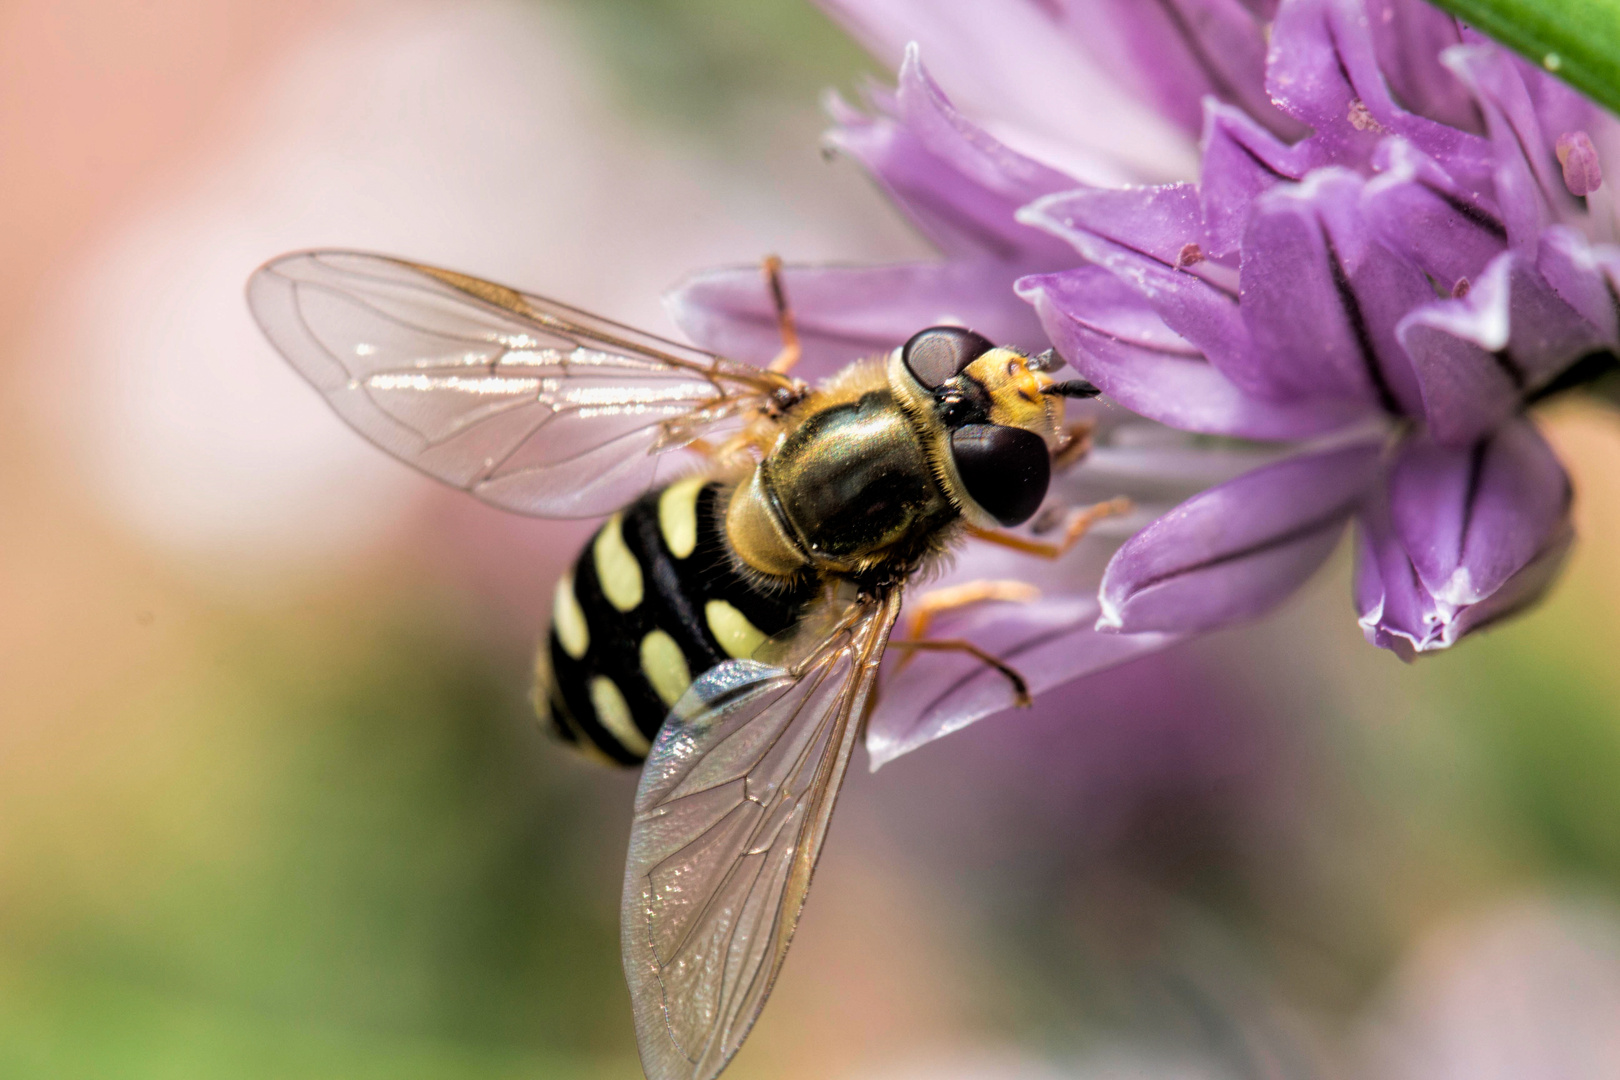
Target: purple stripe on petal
1321,299
1105,305
1529,183
1460,538
1409,36
1157,223
1114,339
1323,70
1236,550
1419,211
1584,276
1476,357
1241,161
1146,237
1472,517
847,312
1049,641
1559,106
1393,608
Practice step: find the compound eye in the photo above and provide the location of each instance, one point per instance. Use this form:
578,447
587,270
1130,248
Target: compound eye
938,353
1004,469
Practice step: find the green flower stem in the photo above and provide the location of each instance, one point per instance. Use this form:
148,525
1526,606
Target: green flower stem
1578,40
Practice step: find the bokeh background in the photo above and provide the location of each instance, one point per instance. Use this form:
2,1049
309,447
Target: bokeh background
271,801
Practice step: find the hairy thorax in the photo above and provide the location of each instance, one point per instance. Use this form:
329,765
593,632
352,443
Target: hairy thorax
848,489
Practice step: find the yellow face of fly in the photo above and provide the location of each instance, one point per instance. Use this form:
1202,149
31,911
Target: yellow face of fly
1015,393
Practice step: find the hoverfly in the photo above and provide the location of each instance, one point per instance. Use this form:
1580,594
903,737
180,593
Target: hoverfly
773,573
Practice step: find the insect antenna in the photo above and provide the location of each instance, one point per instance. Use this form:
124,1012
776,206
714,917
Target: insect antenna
1072,388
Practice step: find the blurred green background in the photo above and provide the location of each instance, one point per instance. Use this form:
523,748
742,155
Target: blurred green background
272,802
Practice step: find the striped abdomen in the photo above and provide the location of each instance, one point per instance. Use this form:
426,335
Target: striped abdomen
652,602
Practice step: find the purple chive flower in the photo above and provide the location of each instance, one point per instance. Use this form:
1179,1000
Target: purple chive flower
963,189
1397,239
1409,264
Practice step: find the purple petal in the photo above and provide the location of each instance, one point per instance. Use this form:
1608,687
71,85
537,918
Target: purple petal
1049,641
1019,68
1419,211
1178,52
1113,338
1529,184
1241,161
1236,550
1472,517
1392,607
1584,276
1559,106
1052,638
1151,238
1323,70
1463,538
959,186
1478,356
1321,299
1156,468
845,313
1409,36
1157,223
927,112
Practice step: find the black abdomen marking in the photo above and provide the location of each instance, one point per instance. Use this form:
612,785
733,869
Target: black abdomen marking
652,602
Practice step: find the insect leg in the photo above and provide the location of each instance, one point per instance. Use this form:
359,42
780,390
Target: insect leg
784,318
1020,687
704,447
1080,522
937,601
1074,446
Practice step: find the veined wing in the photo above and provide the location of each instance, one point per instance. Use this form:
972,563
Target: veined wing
527,403
730,816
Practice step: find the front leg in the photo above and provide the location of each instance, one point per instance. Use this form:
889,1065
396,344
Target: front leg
1073,446
1080,523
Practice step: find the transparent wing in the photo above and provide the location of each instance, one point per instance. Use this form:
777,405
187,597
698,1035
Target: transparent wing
730,816
528,404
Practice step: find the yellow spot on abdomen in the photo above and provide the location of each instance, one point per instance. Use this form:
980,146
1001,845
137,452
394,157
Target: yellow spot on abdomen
665,666
540,694
613,713
616,568
568,619
731,628
550,709
677,515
